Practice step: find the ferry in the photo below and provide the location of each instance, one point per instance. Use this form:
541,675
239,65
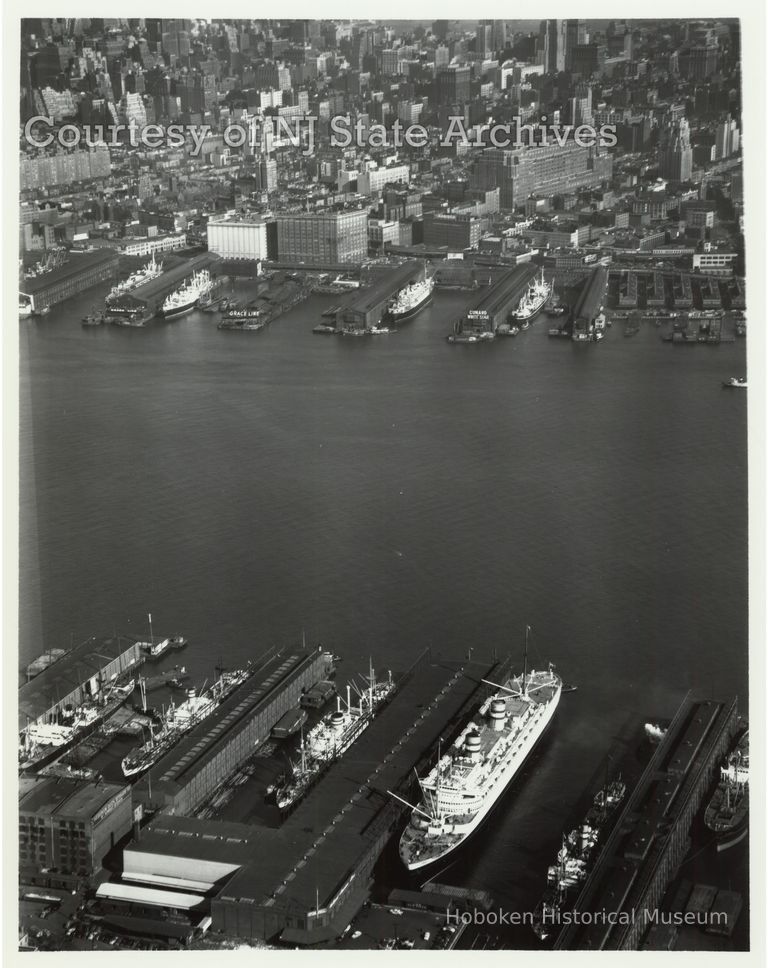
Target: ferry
467,781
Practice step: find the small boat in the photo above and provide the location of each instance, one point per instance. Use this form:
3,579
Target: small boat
735,382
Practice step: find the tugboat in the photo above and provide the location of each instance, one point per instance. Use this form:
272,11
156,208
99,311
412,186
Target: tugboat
467,781
727,813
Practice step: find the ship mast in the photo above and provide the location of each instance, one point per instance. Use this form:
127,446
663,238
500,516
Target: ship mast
525,661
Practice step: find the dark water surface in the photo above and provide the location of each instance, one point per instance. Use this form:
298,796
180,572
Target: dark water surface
388,493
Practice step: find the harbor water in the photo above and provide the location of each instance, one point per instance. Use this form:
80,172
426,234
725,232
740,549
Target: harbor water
388,493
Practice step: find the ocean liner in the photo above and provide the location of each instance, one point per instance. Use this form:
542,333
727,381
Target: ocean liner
534,299
184,299
113,299
411,300
466,782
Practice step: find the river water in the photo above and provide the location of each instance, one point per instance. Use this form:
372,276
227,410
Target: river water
390,493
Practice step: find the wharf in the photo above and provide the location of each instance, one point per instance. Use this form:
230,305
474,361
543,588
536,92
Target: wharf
367,306
304,881
651,835
215,748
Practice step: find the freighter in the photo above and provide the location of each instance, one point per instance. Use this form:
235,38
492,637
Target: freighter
411,300
184,299
576,855
334,734
180,719
150,271
534,299
727,813
468,780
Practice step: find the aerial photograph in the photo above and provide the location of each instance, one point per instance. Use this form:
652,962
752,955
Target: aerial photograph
382,486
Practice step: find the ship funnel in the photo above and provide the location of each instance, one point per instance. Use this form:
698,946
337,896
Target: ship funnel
497,714
472,745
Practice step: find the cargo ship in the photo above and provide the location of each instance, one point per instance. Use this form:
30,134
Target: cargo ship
467,781
533,300
42,742
184,299
180,719
727,813
332,736
575,857
411,300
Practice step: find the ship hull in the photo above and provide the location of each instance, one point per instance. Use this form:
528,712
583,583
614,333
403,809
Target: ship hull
180,311
469,828
528,316
410,313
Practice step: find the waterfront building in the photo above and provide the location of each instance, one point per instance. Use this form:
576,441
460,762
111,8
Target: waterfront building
320,238
234,237
547,170
82,271
69,826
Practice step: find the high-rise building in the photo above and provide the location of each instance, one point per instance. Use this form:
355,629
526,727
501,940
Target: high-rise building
453,85
547,170
727,138
675,152
266,174
321,238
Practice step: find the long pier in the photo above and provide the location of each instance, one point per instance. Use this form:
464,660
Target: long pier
651,836
303,882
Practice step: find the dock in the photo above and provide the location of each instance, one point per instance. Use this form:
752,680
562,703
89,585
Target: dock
651,835
367,306
494,302
302,883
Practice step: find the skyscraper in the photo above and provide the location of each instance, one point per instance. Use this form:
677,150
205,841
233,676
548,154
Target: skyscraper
675,153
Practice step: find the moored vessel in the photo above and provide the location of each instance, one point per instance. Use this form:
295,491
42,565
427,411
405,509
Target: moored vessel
533,300
184,299
410,300
467,781
576,856
727,813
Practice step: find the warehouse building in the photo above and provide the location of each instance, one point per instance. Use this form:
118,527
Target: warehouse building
493,303
69,826
234,237
80,272
590,303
